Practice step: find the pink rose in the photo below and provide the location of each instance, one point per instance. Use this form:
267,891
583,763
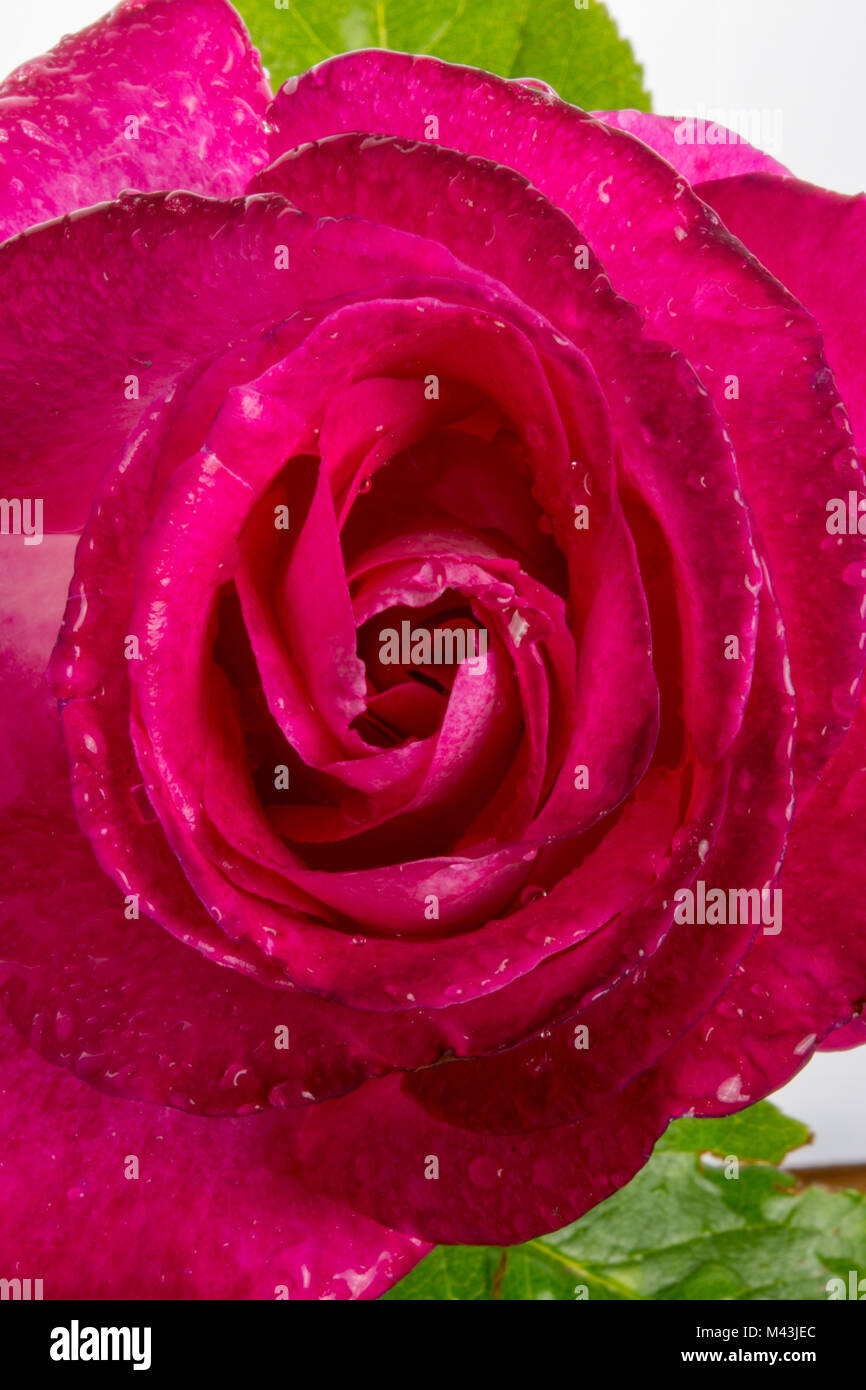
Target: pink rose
420,653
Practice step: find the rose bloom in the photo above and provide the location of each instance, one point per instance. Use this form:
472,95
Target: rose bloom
320,942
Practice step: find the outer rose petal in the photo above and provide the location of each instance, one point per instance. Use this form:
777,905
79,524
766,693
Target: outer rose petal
218,1209
183,70
491,1189
696,159
851,1034
170,297
34,581
823,232
795,988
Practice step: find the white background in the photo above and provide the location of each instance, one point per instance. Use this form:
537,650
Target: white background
800,58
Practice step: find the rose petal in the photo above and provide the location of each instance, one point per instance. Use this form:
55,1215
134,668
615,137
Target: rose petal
158,1205
104,347
157,94
459,1187
697,148
795,987
823,231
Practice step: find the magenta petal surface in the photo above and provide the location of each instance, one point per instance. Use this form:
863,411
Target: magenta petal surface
823,230
169,305
797,986
697,147
159,94
168,1206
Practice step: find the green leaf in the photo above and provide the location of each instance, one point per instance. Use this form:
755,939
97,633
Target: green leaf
453,1273
578,51
760,1134
684,1228
581,54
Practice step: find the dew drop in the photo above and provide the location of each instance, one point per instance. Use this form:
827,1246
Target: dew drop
854,574
484,1171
